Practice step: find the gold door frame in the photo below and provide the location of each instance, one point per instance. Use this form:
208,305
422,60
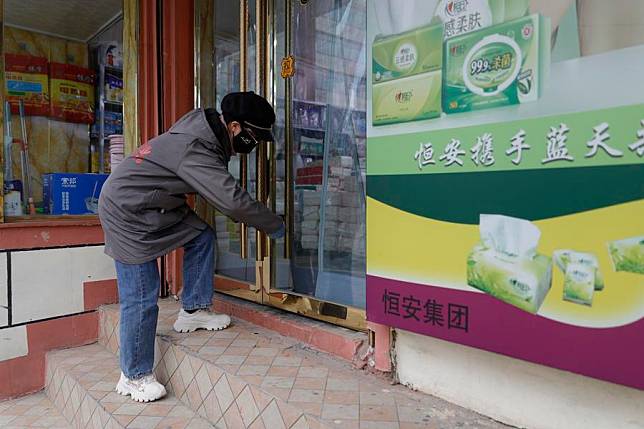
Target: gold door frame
204,97
262,290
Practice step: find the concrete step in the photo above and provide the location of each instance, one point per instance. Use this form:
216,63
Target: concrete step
80,382
32,411
250,377
334,340
225,389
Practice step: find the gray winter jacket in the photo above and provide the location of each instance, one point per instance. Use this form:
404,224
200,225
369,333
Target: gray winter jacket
143,207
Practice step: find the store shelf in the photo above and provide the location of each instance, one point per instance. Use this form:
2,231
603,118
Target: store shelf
299,127
109,113
113,69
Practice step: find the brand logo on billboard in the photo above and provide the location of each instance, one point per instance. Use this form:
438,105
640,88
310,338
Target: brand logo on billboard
403,97
457,50
456,7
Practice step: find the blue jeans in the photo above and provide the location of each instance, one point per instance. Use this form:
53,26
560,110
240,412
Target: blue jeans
138,286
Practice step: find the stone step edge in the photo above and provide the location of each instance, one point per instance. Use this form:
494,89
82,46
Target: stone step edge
72,400
84,407
339,342
201,384
67,394
335,340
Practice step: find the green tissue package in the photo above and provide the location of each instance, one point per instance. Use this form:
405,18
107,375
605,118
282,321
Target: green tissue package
628,254
407,76
501,65
506,265
579,284
564,257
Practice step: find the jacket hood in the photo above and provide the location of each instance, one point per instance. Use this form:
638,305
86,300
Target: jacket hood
195,124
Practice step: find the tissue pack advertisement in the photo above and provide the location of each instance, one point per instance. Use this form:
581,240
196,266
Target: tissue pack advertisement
407,76
496,66
511,218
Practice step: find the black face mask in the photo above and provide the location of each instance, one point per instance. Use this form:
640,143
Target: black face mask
244,142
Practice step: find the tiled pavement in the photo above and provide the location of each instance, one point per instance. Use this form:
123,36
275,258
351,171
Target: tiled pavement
247,371
33,411
243,377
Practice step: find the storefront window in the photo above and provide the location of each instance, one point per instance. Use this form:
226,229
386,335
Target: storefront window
63,105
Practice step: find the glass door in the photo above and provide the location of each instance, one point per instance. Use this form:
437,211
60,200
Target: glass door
225,61
314,173
319,183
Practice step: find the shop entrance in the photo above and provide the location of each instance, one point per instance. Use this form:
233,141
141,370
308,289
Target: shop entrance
308,59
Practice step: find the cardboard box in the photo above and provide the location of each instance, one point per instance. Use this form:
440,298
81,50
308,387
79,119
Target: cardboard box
342,162
341,172
72,193
309,227
334,198
350,215
351,199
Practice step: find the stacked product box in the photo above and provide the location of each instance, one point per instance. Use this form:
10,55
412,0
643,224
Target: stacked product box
310,175
308,182
72,194
343,211
341,172
234,237
310,217
223,236
361,148
279,203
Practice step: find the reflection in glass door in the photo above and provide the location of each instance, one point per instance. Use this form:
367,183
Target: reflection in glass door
323,193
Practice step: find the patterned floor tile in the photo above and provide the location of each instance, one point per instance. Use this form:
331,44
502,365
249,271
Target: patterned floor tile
84,408
242,377
33,411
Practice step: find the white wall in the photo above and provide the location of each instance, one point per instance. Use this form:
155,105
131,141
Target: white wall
4,298
13,342
49,283
513,391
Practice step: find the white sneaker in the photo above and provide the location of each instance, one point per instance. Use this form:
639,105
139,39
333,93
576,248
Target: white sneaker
144,389
201,319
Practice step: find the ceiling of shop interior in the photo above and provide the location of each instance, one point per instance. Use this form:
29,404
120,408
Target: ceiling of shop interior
70,19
